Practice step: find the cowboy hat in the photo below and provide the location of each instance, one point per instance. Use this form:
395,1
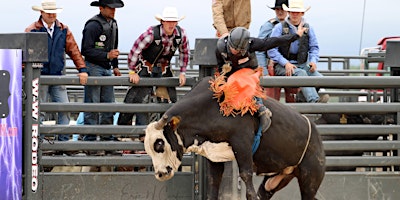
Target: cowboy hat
295,6
108,3
48,6
169,14
278,4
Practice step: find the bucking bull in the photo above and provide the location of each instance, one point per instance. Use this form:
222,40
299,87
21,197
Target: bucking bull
290,148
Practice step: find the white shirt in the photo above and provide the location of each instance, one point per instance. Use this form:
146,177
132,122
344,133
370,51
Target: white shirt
50,29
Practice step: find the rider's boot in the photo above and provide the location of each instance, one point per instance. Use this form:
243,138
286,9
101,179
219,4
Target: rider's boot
265,118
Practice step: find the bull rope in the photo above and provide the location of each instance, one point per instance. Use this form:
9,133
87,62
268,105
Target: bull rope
308,139
257,139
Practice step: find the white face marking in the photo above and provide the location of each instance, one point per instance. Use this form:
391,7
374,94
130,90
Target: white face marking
165,161
216,152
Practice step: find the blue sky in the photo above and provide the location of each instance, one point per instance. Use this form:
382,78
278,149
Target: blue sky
337,23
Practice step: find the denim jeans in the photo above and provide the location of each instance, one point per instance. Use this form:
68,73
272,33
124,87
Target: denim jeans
98,94
310,93
55,93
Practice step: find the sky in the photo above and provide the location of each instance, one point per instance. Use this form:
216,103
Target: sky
340,26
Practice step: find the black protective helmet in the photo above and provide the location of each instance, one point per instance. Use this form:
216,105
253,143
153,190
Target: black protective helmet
239,38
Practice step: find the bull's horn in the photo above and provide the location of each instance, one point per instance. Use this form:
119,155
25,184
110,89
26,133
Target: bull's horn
160,123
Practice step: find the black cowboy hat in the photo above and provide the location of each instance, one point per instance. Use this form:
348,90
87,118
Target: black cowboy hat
278,4
108,3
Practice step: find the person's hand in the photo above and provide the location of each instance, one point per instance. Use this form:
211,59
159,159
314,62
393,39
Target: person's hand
182,79
116,72
290,69
83,78
114,53
134,78
301,29
270,68
224,35
313,67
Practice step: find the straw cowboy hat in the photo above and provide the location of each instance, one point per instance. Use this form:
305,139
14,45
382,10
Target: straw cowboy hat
108,3
295,6
48,6
278,4
169,14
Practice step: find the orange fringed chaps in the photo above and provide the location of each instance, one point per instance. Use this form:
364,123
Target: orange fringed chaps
238,91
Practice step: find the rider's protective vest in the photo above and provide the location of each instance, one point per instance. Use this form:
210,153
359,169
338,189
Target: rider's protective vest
153,52
302,53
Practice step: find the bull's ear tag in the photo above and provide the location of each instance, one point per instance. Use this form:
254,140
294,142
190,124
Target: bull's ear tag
175,122
4,93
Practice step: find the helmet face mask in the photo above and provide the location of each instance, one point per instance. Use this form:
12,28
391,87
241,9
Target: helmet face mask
238,39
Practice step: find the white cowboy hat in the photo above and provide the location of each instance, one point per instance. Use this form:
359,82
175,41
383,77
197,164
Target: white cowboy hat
48,6
169,14
295,6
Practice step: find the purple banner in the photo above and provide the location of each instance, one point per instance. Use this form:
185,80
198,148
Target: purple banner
11,124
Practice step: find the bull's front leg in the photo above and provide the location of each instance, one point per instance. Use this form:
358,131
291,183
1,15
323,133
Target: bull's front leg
244,160
214,177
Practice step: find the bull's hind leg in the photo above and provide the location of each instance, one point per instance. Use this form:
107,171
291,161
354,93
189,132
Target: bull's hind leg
214,177
309,183
265,194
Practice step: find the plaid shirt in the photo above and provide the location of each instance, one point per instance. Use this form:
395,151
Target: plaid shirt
146,38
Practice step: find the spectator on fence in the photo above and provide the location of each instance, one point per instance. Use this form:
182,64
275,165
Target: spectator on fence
265,31
60,41
150,57
301,56
228,14
100,48
262,57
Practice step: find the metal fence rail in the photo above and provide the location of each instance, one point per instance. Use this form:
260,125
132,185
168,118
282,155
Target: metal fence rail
385,162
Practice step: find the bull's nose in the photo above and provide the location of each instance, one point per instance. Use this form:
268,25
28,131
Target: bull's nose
161,175
164,174
169,169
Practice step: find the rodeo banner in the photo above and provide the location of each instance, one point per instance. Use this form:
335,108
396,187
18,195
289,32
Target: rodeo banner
11,124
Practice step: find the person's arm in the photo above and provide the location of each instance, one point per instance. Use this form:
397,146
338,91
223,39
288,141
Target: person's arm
218,50
135,54
272,42
141,43
184,50
265,31
72,49
313,52
218,17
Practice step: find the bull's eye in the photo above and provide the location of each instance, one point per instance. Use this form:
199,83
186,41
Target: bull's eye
159,146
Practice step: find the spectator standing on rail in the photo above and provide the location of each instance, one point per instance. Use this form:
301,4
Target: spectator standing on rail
228,14
300,57
150,57
60,41
100,48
